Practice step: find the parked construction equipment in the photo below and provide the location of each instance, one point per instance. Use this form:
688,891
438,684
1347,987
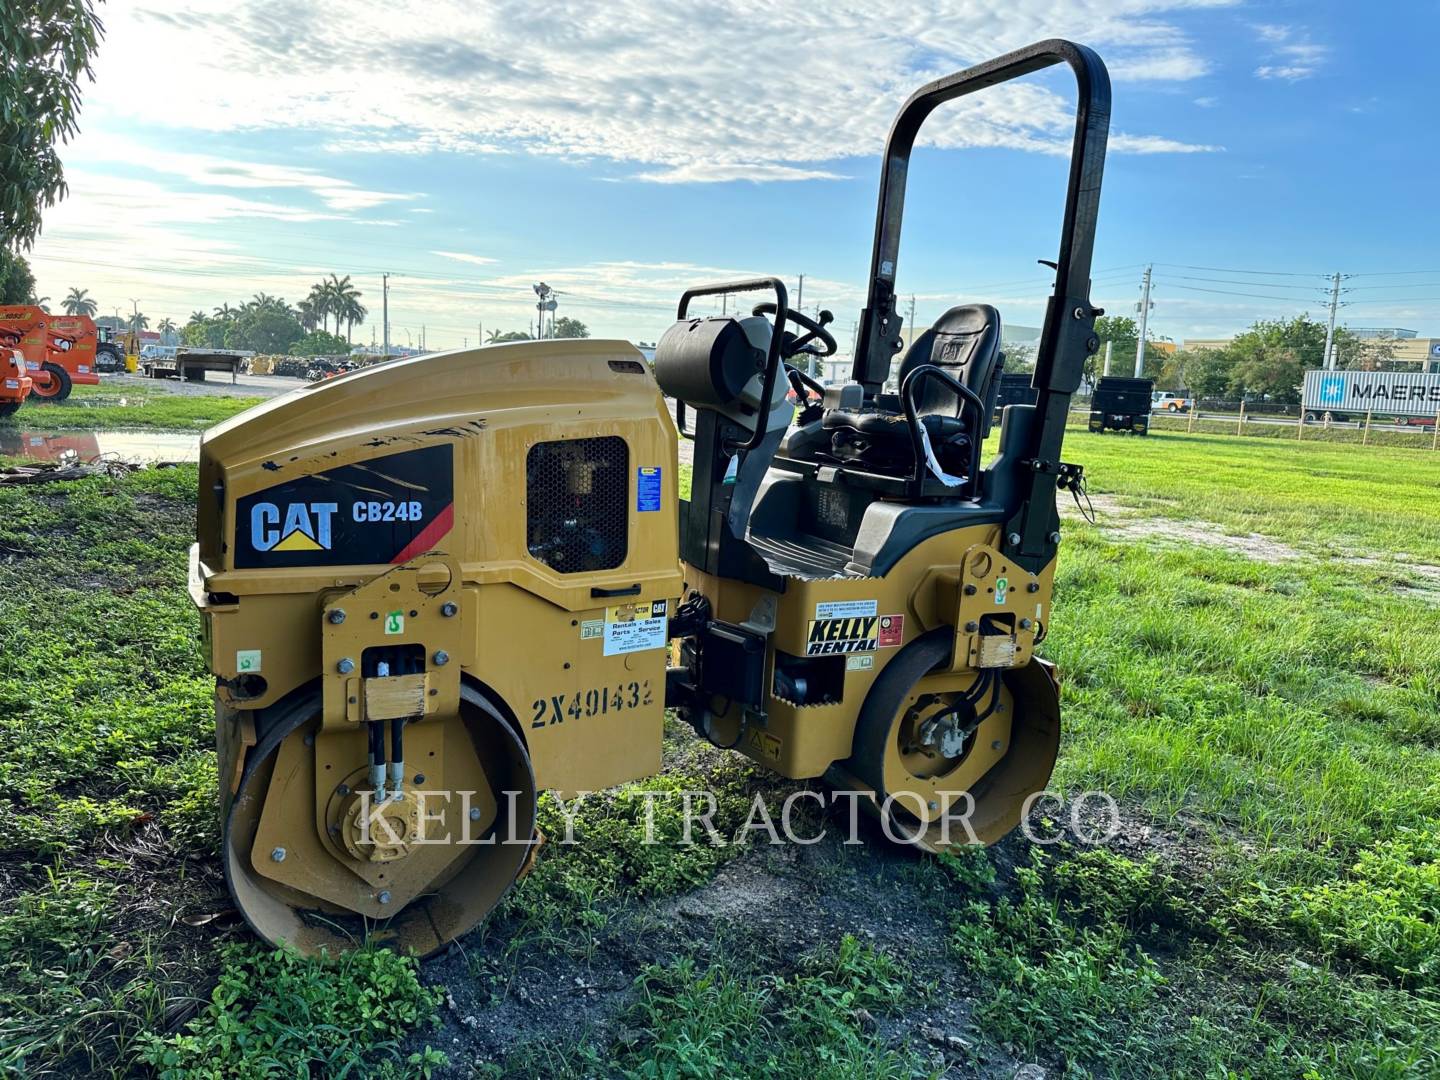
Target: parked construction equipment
15,384
60,350
435,587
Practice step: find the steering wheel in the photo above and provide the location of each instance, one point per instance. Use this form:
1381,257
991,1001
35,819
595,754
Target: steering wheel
802,344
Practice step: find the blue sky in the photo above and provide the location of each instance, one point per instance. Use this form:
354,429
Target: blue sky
621,152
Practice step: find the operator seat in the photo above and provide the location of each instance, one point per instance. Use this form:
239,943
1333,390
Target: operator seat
964,343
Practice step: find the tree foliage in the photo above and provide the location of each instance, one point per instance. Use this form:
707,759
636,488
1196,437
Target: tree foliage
1122,334
17,283
268,324
1269,359
320,343
566,327
45,48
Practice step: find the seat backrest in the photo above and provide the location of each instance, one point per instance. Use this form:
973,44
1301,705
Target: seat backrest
965,342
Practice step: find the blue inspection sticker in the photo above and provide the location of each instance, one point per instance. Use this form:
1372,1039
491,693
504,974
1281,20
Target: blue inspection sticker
647,488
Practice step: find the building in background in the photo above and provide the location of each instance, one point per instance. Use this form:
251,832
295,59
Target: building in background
1406,346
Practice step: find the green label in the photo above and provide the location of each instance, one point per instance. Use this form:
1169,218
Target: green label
1001,585
395,622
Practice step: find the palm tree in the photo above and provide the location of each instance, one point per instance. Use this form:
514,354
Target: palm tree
167,329
307,314
79,303
344,299
198,317
319,300
139,321
225,312
493,337
354,312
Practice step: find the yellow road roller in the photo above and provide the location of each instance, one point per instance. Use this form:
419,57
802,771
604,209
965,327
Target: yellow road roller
433,588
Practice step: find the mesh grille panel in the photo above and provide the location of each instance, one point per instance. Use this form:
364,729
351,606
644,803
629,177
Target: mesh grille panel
577,497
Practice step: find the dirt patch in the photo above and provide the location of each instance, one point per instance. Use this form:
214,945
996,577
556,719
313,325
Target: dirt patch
1129,521
764,911
1408,578
1251,545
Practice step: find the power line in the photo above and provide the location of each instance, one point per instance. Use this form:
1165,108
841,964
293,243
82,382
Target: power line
1395,273
1252,296
442,282
1229,270
1398,300
1228,281
1397,285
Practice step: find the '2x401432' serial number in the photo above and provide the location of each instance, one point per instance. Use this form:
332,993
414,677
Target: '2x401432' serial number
583,704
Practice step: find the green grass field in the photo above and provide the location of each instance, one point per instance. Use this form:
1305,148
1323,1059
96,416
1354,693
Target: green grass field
1249,643
109,407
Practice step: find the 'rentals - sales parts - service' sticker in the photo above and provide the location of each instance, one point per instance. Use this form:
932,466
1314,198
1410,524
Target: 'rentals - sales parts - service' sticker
634,627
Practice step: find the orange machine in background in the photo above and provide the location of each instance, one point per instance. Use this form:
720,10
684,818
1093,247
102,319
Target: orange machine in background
59,350
15,384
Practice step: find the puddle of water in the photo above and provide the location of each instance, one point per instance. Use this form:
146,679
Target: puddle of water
137,446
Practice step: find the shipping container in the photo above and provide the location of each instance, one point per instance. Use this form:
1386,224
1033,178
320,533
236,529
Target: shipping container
1345,394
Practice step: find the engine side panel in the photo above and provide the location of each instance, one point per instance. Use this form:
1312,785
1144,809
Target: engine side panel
545,471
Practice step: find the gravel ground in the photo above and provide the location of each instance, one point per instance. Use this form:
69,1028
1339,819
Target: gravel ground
215,383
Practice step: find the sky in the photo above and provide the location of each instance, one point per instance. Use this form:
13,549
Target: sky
623,151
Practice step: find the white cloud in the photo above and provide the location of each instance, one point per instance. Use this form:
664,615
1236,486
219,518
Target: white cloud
701,173
677,93
1207,102
1271,32
205,170
1291,54
1162,65
460,256
1157,144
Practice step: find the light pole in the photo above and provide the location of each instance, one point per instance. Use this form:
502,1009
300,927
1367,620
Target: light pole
545,302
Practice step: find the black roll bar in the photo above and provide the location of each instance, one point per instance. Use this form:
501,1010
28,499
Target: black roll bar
880,326
1031,534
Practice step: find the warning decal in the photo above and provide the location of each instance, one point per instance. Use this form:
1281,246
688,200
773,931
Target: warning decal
830,636
634,627
647,488
767,745
892,631
846,609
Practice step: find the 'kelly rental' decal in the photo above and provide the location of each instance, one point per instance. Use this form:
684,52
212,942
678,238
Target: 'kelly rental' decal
385,510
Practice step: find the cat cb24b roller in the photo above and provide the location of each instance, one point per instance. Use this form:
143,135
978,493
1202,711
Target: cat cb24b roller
436,587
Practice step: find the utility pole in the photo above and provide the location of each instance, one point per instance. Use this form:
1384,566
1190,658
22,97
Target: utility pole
479,334
1144,307
1329,359
1109,348
385,308
800,295
910,337
422,337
